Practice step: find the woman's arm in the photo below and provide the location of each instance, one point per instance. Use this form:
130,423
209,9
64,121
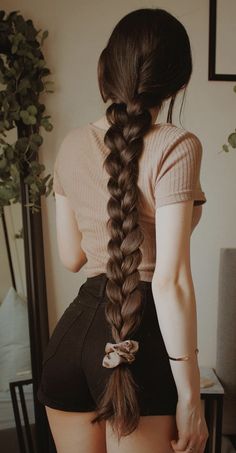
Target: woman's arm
68,235
197,213
174,296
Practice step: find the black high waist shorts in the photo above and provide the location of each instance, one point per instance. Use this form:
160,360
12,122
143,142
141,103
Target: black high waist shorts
72,373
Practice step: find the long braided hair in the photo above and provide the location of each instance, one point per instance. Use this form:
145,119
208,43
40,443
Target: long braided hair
147,60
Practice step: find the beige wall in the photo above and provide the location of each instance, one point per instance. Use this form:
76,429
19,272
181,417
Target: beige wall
78,31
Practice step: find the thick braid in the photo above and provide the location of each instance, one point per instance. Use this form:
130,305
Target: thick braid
129,123
125,140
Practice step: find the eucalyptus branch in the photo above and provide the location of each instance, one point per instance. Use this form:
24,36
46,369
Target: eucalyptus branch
22,74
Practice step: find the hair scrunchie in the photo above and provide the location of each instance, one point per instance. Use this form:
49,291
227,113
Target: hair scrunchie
117,353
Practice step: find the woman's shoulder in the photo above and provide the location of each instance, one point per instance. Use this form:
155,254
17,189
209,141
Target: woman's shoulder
167,137
170,131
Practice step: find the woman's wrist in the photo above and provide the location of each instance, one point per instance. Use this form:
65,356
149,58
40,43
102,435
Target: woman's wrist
190,394
187,379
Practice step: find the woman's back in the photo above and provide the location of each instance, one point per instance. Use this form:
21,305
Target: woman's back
169,171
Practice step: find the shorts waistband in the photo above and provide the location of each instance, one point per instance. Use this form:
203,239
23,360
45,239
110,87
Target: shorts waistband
96,287
98,282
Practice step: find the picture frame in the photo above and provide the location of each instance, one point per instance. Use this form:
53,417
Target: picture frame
221,66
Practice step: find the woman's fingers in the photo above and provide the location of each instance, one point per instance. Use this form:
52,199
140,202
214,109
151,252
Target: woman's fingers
187,443
184,445
181,444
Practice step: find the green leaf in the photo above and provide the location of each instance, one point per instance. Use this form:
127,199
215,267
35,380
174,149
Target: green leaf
29,179
45,179
32,110
18,38
10,153
12,15
24,114
48,82
45,123
3,163
29,55
232,139
7,192
37,139
27,118
11,72
37,167
26,121
44,36
6,124
34,147
23,85
15,116
14,168
225,148
32,120
48,127
40,63
234,88
34,187
21,144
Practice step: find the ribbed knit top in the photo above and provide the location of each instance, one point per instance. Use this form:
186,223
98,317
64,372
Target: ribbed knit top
169,172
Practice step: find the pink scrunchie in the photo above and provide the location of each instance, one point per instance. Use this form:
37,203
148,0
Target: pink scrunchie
117,353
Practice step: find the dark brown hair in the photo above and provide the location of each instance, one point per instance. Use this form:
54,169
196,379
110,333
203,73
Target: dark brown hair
147,60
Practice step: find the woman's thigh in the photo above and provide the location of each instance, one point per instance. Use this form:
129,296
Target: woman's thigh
73,432
153,435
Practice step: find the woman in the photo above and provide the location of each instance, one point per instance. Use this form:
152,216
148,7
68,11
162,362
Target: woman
120,373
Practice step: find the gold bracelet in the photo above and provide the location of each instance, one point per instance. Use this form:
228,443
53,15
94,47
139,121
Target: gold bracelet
186,357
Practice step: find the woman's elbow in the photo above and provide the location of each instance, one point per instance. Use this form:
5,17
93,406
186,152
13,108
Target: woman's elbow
75,264
72,267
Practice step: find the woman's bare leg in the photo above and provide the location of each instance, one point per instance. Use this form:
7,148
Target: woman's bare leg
74,433
153,435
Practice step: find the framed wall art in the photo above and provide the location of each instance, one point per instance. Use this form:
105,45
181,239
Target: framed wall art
222,40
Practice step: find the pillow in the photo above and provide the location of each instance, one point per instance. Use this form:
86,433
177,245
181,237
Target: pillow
15,360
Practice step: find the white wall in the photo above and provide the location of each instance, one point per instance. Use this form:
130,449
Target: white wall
78,31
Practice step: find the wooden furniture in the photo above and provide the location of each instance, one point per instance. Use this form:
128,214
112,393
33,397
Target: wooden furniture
213,397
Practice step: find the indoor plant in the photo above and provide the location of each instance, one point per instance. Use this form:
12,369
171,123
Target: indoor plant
22,73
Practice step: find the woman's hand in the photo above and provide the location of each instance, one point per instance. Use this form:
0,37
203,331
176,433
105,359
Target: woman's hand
192,428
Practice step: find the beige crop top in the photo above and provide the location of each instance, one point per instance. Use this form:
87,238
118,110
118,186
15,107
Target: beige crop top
169,171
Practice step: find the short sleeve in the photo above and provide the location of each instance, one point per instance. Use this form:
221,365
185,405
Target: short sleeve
57,185
59,171
178,174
